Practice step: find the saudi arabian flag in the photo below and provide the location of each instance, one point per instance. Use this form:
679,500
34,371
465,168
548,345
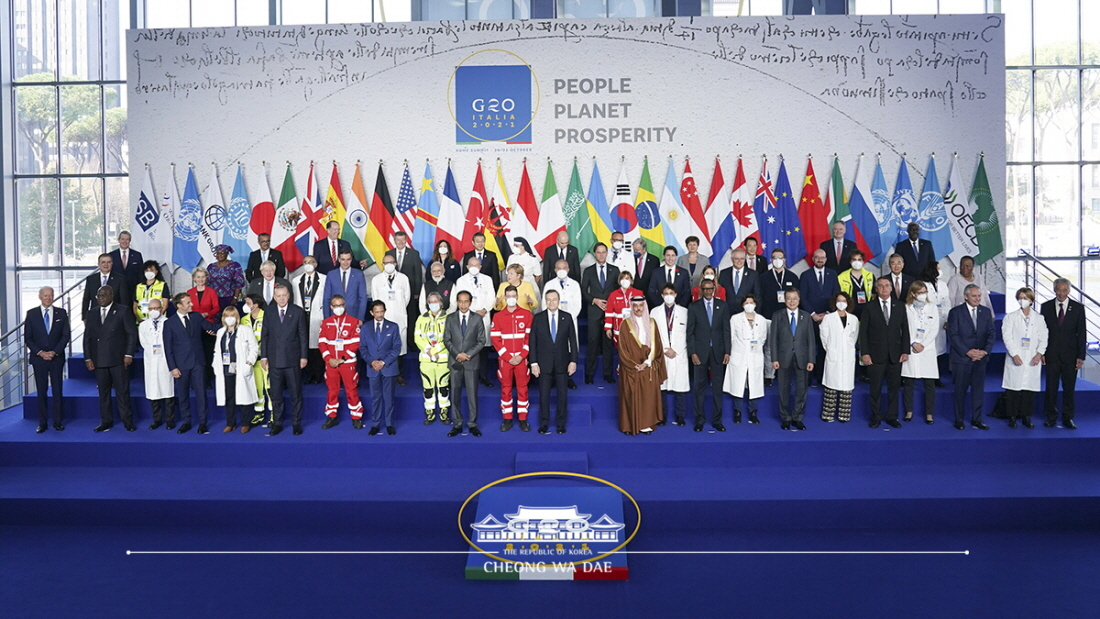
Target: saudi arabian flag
986,223
575,208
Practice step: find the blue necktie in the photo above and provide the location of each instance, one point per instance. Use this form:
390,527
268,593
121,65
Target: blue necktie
794,325
46,319
553,329
603,280
710,313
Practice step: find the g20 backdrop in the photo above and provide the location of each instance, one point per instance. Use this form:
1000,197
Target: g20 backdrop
639,98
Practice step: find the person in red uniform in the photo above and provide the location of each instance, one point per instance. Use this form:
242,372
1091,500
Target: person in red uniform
339,344
510,334
618,305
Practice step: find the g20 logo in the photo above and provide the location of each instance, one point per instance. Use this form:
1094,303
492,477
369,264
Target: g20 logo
495,98
493,105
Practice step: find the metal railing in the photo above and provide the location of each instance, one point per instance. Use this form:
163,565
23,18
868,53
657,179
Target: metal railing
1040,277
16,374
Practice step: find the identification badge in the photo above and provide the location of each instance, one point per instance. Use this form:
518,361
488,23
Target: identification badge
861,296
779,296
308,301
339,344
920,334
565,305
754,344
158,349
1025,342
225,358
392,294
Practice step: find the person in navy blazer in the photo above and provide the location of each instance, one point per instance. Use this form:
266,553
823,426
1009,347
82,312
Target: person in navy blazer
916,252
561,250
1065,354
122,294
737,288
131,268
284,350
263,254
553,360
379,346
110,339
708,347
322,249
970,348
355,293
186,359
47,348
817,286
793,356
846,246
681,279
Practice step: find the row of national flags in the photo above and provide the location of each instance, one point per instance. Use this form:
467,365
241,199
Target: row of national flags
184,230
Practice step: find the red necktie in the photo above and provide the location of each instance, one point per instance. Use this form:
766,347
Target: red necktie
1061,312
334,253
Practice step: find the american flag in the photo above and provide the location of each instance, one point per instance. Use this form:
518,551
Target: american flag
405,219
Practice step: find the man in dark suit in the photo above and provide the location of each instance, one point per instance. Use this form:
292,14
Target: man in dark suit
884,345
774,283
817,287
738,281
970,335
349,283
262,255
1065,354
327,250
283,355
754,260
838,249
596,284
669,273
264,286
186,361
464,336
46,334
110,339
645,264
379,346
561,250
708,347
915,251
408,262
489,264
553,358
127,262
900,280
792,342
105,277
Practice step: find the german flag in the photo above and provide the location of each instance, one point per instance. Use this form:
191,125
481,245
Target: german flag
380,223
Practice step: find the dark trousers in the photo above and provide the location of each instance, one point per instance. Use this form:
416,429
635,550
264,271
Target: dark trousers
46,372
709,361
484,363
1019,404
892,373
315,366
1066,373
969,375
164,410
598,344
801,379
909,385
191,380
463,379
547,381
291,380
230,383
381,399
116,377
680,399
207,371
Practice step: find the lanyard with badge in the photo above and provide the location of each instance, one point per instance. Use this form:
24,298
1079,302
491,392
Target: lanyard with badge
339,343
228,343
857,285
779,283
1025,341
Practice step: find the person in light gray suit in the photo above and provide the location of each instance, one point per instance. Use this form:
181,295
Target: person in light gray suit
793,353
464,336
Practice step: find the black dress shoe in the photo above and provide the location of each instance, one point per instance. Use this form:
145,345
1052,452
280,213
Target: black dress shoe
455,431
893,423
939,384
1027,422
130,427
391,430
330,423
297,430
41,428
736,417
753,418
1069,425
1012,422
171,425
1049,423
663,422
609,379
929,420
357,424
767,382
506,425
588,380
155,425
561,429
58,426
959,425
274,430
719,427
524,426
103,427
374,430
203,429
680,421
486,382
475,432
544,429
979,425
874,424
786,425
698,427
798,425
184,429
572,385
908,418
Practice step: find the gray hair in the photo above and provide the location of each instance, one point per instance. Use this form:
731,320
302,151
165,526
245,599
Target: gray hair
438,297
1062,280
968,288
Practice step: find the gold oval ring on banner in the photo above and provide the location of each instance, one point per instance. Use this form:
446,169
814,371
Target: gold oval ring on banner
534,110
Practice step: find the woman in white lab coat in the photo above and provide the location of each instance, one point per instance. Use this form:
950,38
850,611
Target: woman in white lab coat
938,295
839,334
235,352
924,321
749,352
674,334
1025,336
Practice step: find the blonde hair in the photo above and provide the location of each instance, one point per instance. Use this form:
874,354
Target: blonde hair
1028,292
518,268
914,290
197,271
231,311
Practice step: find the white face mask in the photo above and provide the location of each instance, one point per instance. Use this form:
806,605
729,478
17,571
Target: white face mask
339,311
389,267
248,309
749,308
842,305
670,299
616,245
562,274
443,251
474,271
922,297
624,284
1024,303
511,301
777,263
857,265
150,274
309,268
154,314
434,307
518,250
709,276
230,321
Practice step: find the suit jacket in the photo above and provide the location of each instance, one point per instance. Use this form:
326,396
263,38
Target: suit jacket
553,356
107,342
471,343
550,258
682,281
323,254
962,336
252,271
845,262
769,289
284,343
124,295
131,271
914,265
651,264
750,283
884,343
355,298
703,336
414,268
1066,342
906,281
489,266
591,289
762,264
182,348
36,338
385,347
792,350
816,297
256,287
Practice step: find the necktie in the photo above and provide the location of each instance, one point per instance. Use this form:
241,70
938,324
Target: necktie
821,279
46,318
263,257
463,324
124,252
886,310
669,272
480,258
475,286
1061,311
334,253
282,313
344,276
794,325
603,278
391,281
104,280
897,286
562,254
710,312
267,292
377,329
838,246
103,315
668,318
553,327
186,324
916,252
737,281
156,326
974,317
400,258
641,262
